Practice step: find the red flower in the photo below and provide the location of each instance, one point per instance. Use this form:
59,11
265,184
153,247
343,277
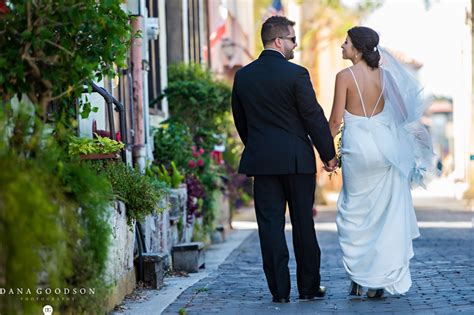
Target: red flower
3,7
201,151
118,136
200,162
192,164
193,148
195,154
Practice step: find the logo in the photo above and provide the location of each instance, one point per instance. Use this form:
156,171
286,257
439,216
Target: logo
47,310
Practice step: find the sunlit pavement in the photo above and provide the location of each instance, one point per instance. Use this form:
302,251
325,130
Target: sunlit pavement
442,269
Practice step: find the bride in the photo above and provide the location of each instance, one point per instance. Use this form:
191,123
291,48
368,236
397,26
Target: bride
384,150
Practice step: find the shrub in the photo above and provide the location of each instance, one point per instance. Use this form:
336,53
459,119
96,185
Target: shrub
202,104
196,98
173,142
140,193
91,195
63,205
32,226
50,50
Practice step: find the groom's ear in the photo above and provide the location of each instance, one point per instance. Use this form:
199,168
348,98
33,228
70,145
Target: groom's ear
278,42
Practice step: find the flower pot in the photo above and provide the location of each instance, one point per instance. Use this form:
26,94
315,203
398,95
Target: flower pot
99,156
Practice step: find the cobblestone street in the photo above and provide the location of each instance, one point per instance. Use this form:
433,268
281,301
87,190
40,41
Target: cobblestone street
442,274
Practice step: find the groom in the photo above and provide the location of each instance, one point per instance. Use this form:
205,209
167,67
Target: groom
275,110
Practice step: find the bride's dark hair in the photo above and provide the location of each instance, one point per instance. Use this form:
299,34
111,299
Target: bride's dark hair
365,40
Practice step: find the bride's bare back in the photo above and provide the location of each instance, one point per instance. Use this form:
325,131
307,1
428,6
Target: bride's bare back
370,85
346,96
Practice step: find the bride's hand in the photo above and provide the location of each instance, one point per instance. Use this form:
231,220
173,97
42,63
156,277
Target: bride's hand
328,169
330,166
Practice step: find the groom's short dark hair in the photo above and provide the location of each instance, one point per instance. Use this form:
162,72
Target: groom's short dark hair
275,26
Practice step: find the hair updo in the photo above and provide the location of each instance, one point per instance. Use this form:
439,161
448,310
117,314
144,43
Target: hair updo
365,40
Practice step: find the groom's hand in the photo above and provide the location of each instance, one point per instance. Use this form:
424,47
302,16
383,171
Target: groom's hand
331,165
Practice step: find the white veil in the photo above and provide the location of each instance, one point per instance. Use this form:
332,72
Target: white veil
404,98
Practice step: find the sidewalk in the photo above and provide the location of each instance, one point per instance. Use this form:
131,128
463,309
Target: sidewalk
149,302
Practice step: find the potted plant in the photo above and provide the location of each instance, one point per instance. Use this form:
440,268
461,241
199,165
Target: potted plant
94,149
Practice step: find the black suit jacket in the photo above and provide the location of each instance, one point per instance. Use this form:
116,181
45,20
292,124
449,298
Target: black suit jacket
275,110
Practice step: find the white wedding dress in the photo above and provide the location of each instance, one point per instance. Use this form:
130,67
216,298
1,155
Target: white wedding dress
376,220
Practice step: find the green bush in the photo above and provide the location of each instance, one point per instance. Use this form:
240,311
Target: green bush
32,219
57,223
91,195
141,194
173,142
197,98
202,104
51,49
53,218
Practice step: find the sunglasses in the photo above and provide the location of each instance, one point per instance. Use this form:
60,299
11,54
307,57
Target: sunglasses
293,39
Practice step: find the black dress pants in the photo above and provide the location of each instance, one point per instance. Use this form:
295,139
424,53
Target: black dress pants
271,194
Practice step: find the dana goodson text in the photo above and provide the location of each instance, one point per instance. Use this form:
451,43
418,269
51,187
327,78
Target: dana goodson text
47,291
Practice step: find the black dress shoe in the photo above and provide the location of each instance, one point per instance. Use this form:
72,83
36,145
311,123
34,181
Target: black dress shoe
319,294
280,300
356,289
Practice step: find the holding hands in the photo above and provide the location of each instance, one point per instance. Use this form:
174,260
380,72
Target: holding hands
330,166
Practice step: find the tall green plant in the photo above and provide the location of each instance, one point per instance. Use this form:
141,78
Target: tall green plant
54,226
33,233
173,142
197,98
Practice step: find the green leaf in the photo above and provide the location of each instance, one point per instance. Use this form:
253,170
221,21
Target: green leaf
25,34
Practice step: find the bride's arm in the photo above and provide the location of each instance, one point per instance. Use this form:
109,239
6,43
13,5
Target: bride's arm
339,102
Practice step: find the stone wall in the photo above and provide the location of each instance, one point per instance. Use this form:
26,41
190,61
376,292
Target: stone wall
168,228
120,272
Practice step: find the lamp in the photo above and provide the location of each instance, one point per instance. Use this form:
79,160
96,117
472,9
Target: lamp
228,47
134,7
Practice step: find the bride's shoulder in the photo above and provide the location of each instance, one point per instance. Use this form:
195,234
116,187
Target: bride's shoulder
344,72
343,75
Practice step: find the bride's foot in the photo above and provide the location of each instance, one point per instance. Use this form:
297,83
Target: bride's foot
356,289
375,293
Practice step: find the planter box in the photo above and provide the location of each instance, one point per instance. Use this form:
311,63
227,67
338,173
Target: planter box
188,257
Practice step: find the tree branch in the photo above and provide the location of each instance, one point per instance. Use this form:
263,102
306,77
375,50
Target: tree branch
68,90
60,47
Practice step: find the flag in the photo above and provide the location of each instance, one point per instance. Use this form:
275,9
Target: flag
216,36
219,32
276,8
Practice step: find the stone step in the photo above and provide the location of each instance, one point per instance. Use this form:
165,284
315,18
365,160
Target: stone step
188,257
155,266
